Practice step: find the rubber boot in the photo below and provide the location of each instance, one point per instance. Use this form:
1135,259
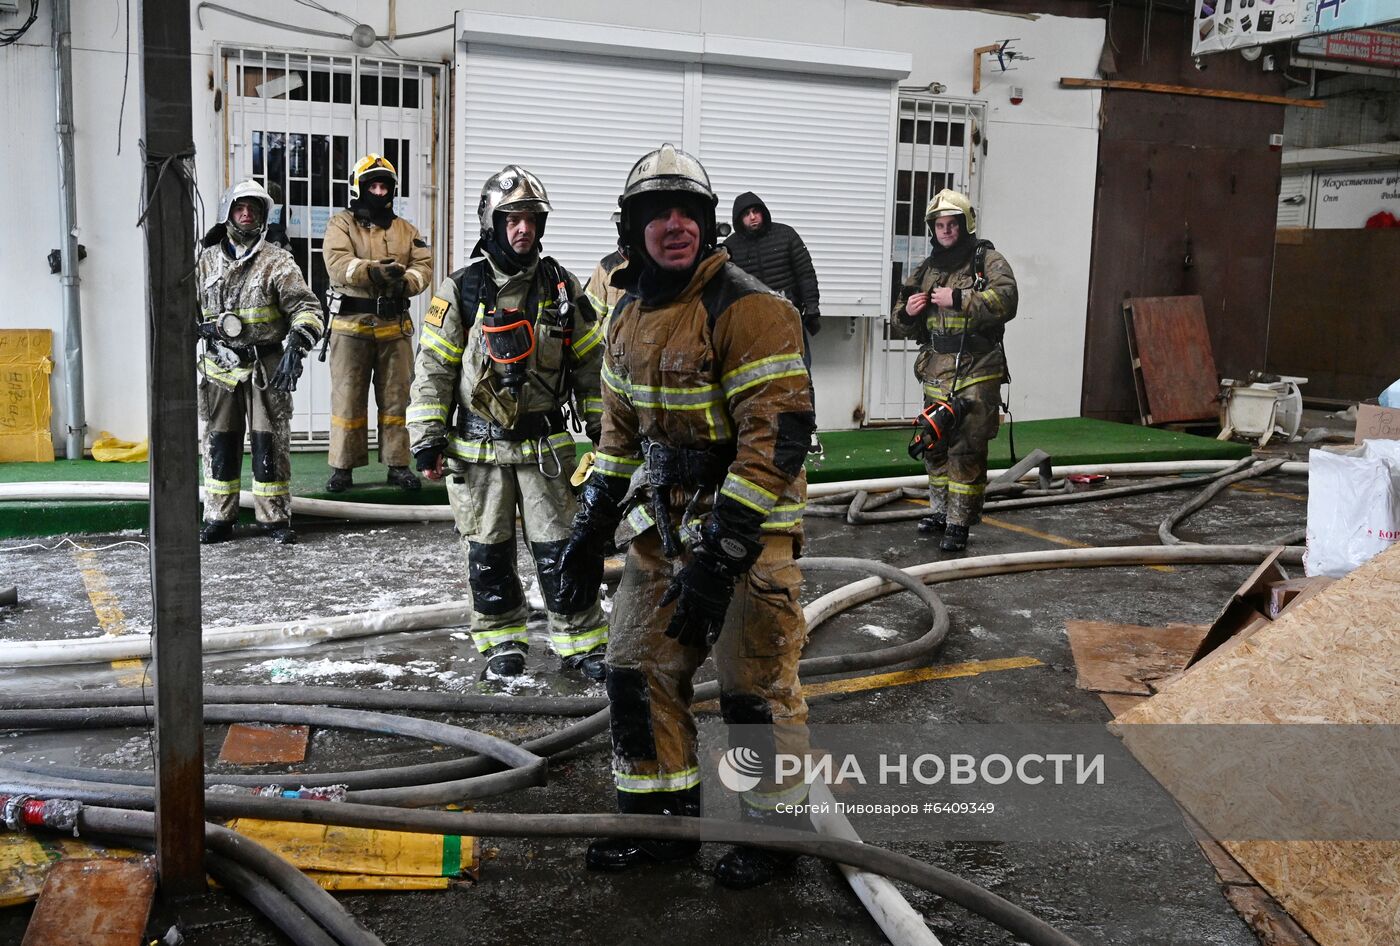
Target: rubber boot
282,533
211,533
745,867
619,854
954,539
933,525
340,480
503,662
592,665
403,478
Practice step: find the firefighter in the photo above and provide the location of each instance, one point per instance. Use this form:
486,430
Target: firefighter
252,299
704,393
376,262
601,292
511,343
957,303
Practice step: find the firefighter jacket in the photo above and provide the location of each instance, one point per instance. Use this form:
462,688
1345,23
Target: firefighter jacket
776,256
266,291
601,292
453,371
351,243
718,368
986,301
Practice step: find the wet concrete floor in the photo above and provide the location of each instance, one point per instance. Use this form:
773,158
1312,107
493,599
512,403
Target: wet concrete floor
1131,887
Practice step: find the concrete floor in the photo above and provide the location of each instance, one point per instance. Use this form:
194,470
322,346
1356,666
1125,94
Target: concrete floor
1154,889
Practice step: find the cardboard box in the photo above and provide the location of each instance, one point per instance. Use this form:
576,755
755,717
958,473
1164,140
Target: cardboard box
1374,422
25,365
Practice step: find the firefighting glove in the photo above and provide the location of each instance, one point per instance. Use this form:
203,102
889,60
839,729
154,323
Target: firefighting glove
729,545
289,368
581,561
812,321
425,458
208,331
386,276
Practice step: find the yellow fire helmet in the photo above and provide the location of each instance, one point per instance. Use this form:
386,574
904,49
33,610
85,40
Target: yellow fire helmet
947,203
373,167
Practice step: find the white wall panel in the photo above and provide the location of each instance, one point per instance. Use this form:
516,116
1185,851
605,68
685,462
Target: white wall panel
816,149
578,122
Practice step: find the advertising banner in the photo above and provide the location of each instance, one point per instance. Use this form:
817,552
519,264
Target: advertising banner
1237,24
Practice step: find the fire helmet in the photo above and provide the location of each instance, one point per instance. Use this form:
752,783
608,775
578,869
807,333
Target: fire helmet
948,203
373,167
667,170
246,190
512,189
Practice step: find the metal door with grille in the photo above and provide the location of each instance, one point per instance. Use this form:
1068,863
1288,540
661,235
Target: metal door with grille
298,121
937,146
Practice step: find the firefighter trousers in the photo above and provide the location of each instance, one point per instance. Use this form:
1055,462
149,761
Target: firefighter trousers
485,498
383,357
655,765
957,466
265,415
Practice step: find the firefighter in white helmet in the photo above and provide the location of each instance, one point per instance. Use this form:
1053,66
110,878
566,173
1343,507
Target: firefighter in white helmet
376,262
957,303
507,366
707,402
258,319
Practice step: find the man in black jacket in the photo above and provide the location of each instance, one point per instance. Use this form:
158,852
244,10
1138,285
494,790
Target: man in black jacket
775,255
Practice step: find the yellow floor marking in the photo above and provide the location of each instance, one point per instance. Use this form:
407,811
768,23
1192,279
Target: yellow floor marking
108,610
1269,492
971,668
1049,537
876,681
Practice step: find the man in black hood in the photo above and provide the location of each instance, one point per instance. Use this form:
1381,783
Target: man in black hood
775,255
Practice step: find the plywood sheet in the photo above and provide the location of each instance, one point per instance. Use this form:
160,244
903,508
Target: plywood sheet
1127,658
1170,345
1332,658
93,903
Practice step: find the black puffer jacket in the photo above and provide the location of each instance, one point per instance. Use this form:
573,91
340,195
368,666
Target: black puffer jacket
776,256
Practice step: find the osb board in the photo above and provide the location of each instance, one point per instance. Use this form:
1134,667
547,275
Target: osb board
1120,703
93,903
1333,658
1172,344
262,743
24,395
1270,923
1126,658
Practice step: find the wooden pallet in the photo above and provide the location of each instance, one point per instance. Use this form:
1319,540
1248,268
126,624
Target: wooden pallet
1173,365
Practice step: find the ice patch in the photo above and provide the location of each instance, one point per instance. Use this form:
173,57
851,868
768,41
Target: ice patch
283,670
874,630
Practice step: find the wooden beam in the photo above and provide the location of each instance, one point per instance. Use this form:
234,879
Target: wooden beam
977,55
1122,85
175,593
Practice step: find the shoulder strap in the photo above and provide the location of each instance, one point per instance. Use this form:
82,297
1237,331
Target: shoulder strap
472,289
979,263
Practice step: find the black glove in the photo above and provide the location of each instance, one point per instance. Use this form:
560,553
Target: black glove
386,276
289,368
215,234
728,547
812,321
208,330
581,561
426,458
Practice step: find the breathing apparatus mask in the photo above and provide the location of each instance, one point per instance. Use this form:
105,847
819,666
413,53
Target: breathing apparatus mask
509,338
937,423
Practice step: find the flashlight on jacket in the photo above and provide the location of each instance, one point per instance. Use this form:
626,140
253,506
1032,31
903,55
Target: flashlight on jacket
936,423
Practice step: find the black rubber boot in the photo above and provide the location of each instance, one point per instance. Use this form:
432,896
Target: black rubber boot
403,478
214,532
619,854
282,533
955,539
503,662
340,480
744,867
592,665
934,524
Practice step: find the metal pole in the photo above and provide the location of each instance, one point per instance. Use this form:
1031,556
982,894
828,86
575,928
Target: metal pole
175,593
68,249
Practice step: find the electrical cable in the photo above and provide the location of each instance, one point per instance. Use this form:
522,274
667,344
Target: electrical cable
11,36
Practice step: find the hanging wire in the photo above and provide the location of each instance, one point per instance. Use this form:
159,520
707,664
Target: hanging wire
11,36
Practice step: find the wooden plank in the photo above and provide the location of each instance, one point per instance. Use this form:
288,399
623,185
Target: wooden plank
1169,335
262,743
1120,703
99,902
1126,658
1332,658
1125,85
1270,922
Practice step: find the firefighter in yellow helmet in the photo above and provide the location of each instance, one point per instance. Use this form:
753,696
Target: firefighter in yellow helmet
707,400
512,347
376,262
957,303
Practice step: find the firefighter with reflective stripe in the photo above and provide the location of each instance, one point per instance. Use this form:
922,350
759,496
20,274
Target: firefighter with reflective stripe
376,262
252,298
601,292
511,346
957,304
706,400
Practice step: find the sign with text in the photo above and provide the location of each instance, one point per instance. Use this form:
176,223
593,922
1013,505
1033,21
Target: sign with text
1345,200
1377,47
1238,24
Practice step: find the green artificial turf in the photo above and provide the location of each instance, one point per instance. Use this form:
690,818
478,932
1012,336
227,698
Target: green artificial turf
849,455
